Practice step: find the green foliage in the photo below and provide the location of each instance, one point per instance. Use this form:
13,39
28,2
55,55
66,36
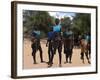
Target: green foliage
42,21
66,23
37,19
81,23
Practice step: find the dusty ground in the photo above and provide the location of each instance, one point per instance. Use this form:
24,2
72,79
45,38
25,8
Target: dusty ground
28,60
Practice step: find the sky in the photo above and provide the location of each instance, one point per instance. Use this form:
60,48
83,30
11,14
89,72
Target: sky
62,14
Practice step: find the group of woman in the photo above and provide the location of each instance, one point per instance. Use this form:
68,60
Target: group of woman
56,40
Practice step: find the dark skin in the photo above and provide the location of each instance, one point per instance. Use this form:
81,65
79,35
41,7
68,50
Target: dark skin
50,49
36,46
57,45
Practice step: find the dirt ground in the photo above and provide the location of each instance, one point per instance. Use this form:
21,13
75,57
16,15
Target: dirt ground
28,60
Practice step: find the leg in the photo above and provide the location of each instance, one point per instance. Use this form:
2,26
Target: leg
66,55
66,58
51,60
34,56
89,51
54,50
86,54
82,56
64,48
51,57
33,46
49,54
70,56
41,57
82,53
60,56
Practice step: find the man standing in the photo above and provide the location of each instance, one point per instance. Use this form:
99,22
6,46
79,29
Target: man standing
68,45
49,44
36,45
57,42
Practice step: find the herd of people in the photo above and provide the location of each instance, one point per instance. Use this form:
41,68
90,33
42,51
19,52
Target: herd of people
58,39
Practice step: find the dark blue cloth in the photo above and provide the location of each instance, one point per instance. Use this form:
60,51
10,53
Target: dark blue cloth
33,34
50,35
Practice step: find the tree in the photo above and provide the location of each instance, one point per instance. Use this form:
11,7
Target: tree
37,19
43,21
82,23
28,20
66,23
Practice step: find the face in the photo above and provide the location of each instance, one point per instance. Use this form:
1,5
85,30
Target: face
57,21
